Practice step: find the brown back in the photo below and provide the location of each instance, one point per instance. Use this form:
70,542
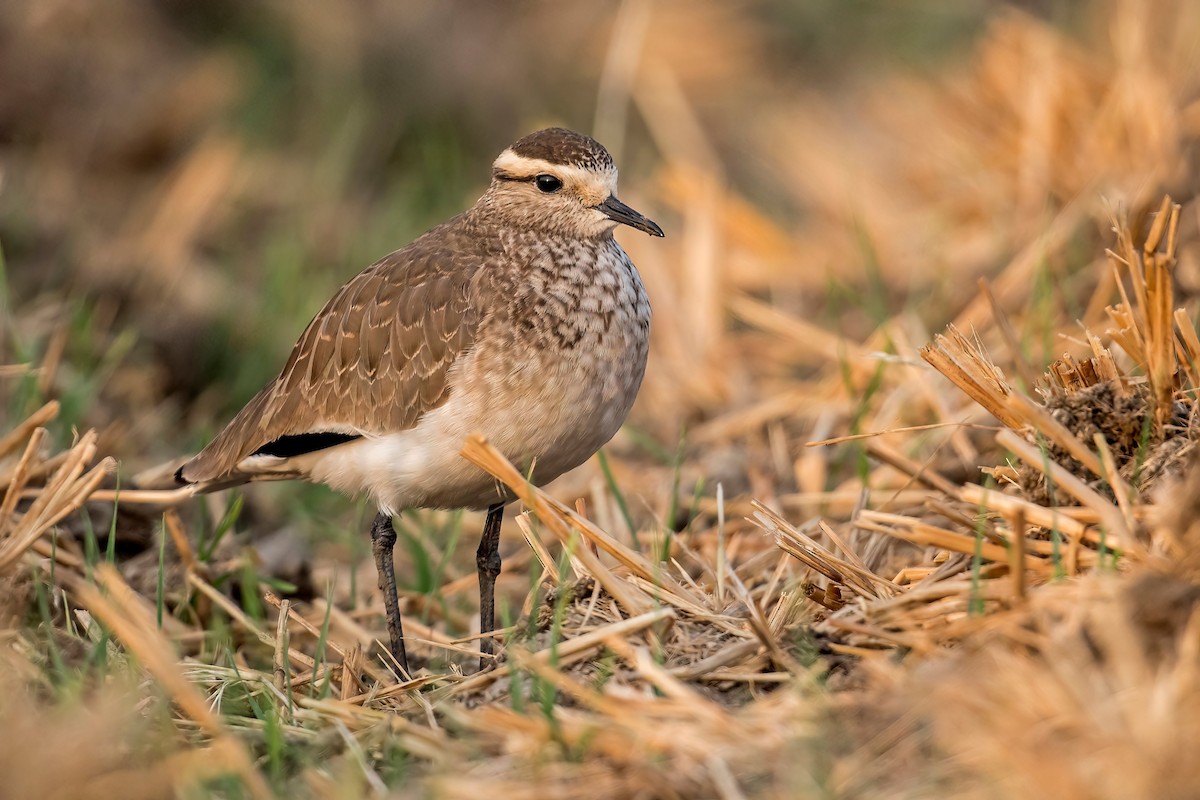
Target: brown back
374,360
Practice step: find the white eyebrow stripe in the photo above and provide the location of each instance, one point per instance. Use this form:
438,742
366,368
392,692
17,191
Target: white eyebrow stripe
513,164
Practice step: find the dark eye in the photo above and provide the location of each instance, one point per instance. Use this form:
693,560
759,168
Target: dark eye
548,183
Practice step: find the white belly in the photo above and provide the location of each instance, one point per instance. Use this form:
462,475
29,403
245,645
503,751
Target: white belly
549,412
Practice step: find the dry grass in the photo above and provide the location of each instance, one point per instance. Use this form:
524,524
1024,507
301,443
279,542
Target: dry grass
888,561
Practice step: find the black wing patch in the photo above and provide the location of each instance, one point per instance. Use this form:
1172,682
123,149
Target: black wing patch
301,443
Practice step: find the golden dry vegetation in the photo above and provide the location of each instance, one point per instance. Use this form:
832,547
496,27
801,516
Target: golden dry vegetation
906,507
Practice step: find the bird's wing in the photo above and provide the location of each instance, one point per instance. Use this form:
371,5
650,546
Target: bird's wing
374,360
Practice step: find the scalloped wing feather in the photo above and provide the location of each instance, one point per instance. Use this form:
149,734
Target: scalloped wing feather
374,360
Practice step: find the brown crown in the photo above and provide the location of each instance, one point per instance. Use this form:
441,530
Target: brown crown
562,146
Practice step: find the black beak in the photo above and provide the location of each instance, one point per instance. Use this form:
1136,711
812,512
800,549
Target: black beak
617,211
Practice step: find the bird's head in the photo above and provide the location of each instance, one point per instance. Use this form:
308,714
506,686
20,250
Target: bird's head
562,182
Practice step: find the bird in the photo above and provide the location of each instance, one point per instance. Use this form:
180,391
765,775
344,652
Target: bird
521,319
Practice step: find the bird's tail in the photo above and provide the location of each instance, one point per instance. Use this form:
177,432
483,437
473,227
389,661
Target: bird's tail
167,476
161,477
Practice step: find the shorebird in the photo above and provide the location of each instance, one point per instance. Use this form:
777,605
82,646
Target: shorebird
521,319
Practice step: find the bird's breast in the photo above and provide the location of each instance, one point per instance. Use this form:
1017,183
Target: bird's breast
573,294
568,358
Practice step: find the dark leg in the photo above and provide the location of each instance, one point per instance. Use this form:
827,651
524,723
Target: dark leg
383,539
487,563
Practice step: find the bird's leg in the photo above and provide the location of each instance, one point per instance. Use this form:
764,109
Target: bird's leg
383,539
487,563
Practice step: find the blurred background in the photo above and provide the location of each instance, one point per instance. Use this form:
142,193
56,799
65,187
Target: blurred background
182,185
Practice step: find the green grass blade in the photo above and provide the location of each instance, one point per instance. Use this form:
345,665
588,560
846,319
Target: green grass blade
223,527
611,481
110,553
